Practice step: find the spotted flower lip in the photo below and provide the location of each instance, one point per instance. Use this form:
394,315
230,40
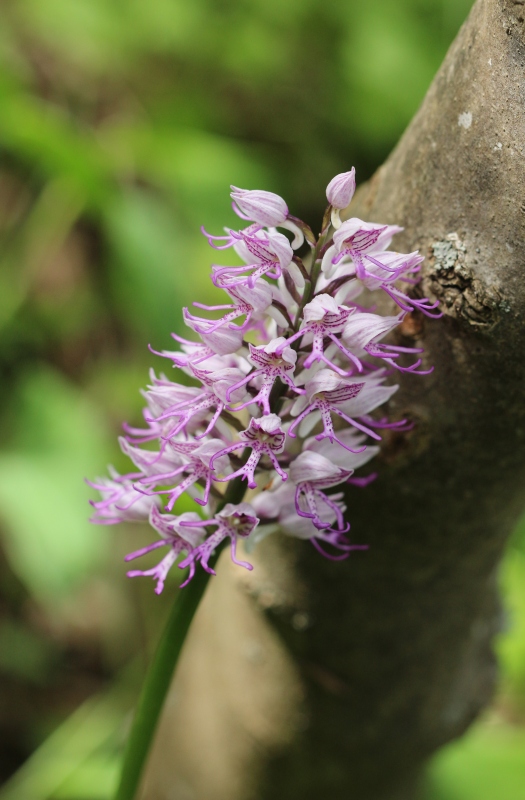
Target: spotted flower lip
233,522
282,379
311,472
326,393
383,268
271,363
323,318
265,437
277,511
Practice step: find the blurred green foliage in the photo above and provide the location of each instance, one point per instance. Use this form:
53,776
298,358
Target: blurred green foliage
122,124
59,434
488,763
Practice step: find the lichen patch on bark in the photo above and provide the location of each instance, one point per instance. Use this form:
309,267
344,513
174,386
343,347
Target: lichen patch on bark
452,281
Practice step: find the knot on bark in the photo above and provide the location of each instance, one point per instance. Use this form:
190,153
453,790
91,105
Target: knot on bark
453,283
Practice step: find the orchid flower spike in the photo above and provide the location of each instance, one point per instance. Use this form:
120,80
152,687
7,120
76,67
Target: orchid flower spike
282,386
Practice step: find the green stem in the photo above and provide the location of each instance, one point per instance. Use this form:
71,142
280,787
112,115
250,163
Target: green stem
160,673
315,270
157,683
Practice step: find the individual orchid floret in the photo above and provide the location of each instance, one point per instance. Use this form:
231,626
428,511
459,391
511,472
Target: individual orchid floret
358,240
388,267
235,522
362,332
265,437
265,208
195,468
120,501
160,394
263,253
151,462
214,363
269,210
326,393
270,364
222,340
323,318
364,244
248,303
179,538
311,473
350,458
190,353
339,192
276,511
383,269
172,401
344,458
373,394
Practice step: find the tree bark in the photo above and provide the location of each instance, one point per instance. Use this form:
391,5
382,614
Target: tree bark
310,679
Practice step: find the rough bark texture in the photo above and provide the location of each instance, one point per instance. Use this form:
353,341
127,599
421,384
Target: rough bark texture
311,679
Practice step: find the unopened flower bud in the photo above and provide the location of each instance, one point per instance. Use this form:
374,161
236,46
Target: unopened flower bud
341,189
265,208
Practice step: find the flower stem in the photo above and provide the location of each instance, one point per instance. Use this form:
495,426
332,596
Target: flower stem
158,682
160,673
315,271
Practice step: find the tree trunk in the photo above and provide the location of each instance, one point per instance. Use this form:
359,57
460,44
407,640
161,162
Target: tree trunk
309,679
